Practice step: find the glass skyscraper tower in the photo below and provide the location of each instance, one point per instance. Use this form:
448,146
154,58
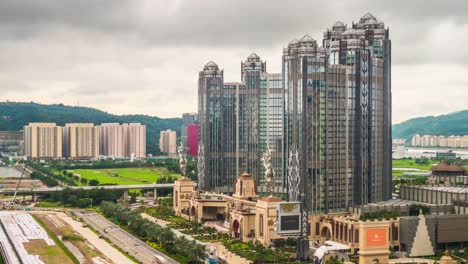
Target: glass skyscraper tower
316,121
238,122
326,119
338,117
365,48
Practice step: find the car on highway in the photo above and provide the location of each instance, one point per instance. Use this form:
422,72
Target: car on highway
159,260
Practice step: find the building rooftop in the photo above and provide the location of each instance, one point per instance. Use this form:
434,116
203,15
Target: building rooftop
211,64
307,38
368,16
338,24
253,55
452,189
395,202
271,199
294,41
444,167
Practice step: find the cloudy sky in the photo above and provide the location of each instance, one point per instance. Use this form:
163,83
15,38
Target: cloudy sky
144,56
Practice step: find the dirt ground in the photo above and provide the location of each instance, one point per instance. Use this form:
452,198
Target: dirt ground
25,184
55,224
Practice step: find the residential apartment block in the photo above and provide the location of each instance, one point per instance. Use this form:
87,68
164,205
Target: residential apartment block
43,140
168,142
439,141
188,119
80,140
123,140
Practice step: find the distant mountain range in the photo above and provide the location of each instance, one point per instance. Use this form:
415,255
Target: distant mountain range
13,116
455,123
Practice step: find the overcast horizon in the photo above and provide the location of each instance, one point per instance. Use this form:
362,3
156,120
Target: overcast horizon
143,57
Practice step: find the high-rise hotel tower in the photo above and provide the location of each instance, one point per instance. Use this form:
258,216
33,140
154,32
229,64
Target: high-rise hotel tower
238,122
326,118
338,116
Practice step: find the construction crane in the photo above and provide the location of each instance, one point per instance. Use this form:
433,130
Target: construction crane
14,164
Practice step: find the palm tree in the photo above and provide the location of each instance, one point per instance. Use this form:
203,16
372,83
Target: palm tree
166,238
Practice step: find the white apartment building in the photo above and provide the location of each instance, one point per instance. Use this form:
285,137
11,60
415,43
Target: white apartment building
43,140
440,141
80,140
168,142
123,140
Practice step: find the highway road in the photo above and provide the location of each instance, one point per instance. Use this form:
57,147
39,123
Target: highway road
124,240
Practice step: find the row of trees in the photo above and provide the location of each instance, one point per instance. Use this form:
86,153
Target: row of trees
92,182
83,198
154,233
170,164
46,173
49,181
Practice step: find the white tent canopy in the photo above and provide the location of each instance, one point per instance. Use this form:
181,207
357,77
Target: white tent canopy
329,246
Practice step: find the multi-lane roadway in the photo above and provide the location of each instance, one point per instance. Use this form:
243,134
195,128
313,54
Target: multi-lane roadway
124,240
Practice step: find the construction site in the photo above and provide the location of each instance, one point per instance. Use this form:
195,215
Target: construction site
43,235
15,175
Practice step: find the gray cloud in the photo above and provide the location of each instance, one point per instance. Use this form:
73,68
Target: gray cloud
144,56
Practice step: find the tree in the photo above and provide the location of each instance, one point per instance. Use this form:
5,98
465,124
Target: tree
93,182
133,197
414,209
84,180
166,238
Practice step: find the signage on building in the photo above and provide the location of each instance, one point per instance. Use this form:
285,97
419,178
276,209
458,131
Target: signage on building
288,221
376,237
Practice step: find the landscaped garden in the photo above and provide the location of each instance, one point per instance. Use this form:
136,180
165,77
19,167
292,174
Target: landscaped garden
283,252
256,252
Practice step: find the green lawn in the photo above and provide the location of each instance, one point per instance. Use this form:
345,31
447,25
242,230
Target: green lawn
410,163
49,204
124,176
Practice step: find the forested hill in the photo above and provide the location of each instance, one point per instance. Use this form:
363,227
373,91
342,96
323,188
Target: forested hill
15,115
455,123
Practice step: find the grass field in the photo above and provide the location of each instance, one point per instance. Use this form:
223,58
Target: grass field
48,254
124,176
49,204
57,253
409,163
